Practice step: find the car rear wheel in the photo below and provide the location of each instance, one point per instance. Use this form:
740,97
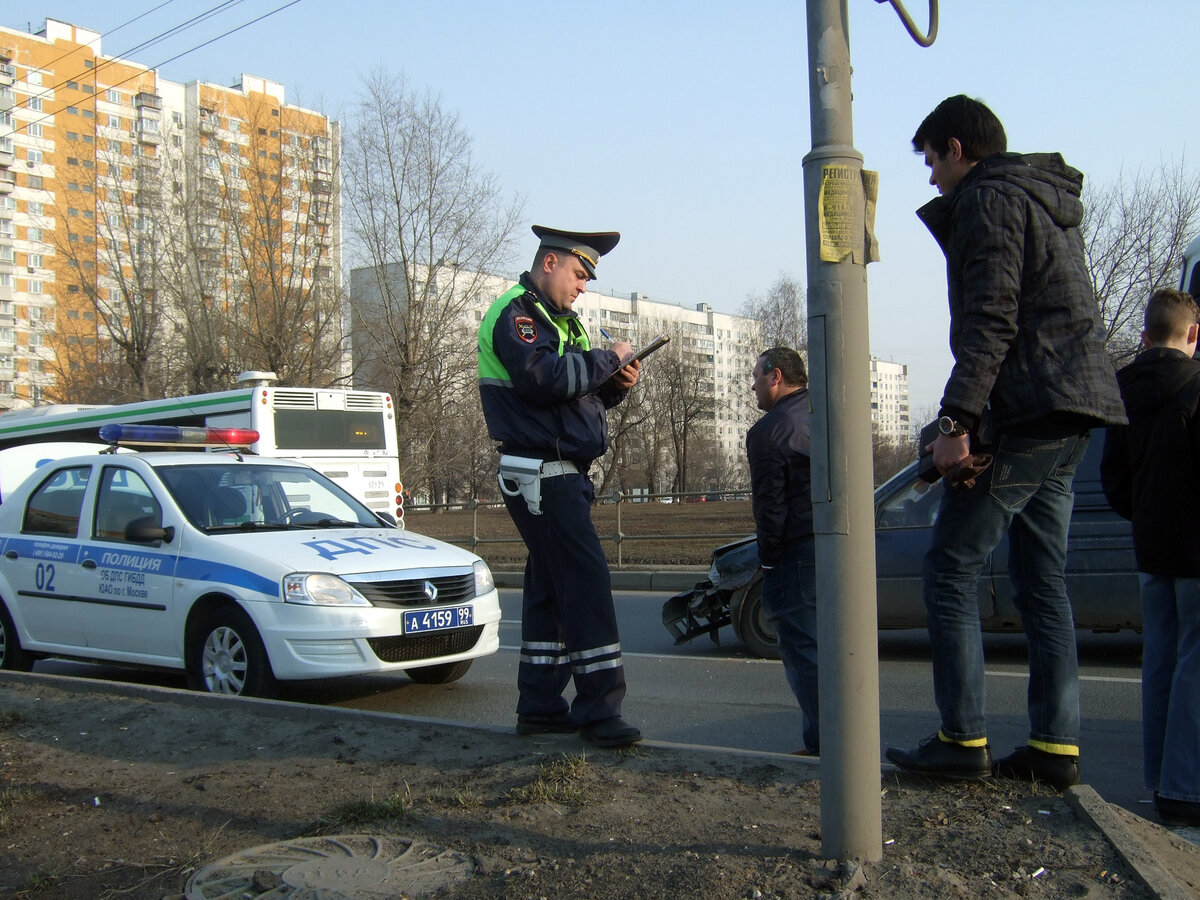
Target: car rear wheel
228,657
440,674
12,656
750,623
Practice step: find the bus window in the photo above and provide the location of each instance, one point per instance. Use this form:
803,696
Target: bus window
329,429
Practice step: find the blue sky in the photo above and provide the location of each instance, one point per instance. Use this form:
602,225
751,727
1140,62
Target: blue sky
684,125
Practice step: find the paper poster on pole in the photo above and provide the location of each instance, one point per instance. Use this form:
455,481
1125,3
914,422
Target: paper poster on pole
846,214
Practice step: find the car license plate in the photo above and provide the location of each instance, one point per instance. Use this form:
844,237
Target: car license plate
437,619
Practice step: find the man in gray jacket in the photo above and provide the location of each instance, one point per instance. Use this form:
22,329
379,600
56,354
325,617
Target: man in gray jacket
1030,378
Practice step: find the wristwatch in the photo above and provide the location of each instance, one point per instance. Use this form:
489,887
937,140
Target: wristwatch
951,428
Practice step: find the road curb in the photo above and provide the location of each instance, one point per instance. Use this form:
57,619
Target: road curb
1092,808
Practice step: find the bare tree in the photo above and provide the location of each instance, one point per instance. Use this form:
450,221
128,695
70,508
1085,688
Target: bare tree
1135,230
888,455
110,344
783,314
428,224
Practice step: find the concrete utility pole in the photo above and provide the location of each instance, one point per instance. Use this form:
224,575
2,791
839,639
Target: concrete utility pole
839,245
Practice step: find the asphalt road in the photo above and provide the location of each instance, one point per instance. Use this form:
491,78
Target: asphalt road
702,693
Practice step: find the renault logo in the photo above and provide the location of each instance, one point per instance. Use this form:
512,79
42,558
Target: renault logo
430,590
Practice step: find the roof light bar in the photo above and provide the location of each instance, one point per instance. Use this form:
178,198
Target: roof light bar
175,435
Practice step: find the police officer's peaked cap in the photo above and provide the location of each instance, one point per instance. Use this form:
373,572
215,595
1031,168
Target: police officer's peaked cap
589,246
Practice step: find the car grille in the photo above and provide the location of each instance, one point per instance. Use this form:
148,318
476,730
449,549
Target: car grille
410,648
410,592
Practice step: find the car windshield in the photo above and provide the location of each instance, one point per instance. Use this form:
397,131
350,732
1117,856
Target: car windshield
240,497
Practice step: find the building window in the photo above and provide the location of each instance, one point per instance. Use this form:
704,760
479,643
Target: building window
35,287
35,208
35,104
33,234
34,156
33,77
73,85
35,181
112,96
72,111
35,260
114,121
33,129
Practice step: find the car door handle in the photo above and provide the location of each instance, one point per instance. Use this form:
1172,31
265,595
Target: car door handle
11,554
88,564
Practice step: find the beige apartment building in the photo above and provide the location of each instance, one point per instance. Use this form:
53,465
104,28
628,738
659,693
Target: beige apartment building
134,210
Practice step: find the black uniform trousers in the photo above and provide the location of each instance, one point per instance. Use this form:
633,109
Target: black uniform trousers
568,622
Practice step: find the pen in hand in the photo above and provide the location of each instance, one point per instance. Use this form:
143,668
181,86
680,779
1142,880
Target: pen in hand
607,336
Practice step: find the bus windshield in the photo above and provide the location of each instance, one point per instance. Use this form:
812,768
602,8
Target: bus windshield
329,429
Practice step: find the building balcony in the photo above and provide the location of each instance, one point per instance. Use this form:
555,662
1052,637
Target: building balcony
321,186
8,73
147,100
7,157
8,181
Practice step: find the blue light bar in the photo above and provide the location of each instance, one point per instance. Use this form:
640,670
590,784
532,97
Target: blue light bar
160,435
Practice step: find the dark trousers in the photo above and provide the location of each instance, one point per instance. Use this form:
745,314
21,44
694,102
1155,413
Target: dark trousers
568,623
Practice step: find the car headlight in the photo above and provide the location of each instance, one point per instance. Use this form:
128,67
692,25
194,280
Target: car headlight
320,589
484,583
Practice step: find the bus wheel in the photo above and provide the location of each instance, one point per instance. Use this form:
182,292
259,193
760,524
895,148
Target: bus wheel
12,657
227,656
442,674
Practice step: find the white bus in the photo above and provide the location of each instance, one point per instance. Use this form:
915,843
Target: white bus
348,435
1189,278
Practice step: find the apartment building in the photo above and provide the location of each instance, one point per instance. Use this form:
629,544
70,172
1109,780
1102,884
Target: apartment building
722,347
134,210
889,400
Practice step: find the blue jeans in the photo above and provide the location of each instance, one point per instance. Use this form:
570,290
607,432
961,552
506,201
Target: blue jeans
789,598
1171,685
1027,493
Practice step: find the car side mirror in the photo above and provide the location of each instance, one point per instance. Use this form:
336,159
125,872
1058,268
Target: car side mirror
387,517
147,530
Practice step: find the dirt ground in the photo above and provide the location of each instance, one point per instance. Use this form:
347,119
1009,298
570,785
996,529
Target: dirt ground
127,792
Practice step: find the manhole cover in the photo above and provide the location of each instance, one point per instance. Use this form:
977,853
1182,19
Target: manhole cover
341,867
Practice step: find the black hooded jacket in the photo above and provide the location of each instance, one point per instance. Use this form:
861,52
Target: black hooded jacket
1151,467
1024,326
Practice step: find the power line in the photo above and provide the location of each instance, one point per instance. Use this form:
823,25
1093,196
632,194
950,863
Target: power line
158,66
149,42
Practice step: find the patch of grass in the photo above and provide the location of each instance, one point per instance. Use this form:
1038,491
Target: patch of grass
10,717
562,780
36,882
10,799
388,811
464,798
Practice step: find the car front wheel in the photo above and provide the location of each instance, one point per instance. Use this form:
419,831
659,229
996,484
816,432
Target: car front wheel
751,624
228,657
12,656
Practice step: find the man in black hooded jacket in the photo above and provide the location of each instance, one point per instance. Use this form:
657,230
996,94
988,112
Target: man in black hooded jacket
1151,474
1028,347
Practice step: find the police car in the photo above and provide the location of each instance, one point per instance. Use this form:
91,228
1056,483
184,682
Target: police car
241,571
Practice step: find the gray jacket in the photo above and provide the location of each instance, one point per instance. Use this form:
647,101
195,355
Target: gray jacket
1025,329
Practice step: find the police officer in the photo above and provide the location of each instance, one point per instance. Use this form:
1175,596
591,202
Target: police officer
545,392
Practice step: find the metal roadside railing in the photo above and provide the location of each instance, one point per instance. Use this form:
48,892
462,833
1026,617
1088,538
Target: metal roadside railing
622,500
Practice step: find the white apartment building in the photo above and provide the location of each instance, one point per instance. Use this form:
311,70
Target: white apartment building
889,399
723,345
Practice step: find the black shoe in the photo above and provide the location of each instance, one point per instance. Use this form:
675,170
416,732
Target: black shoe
1031,764
614,732
1175,813
944,759
558,723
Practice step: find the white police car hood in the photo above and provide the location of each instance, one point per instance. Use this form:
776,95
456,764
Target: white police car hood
338,551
